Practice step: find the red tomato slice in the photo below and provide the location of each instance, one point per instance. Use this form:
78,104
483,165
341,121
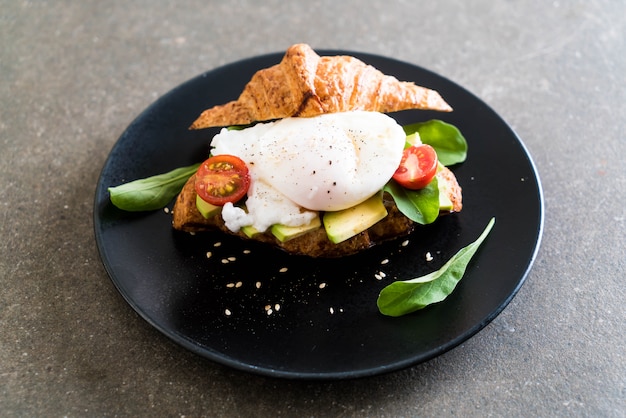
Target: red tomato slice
222,179
417,167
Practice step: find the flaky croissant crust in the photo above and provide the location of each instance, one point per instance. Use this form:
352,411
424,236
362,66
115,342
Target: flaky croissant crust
305,84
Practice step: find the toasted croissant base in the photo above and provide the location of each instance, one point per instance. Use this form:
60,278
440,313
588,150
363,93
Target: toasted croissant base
304,84
186,217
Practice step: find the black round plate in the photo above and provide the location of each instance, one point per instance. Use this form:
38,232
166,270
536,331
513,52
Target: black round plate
324,322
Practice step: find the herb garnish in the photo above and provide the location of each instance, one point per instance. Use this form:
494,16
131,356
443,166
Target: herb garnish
151,193
445,138
407,296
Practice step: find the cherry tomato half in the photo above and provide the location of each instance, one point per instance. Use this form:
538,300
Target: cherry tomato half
417,167
222,179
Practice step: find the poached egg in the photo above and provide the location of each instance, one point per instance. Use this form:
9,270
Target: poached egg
300,166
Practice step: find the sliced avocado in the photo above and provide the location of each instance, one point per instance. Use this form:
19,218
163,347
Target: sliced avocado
413,139
206,209
249,230
343,224
285,233
445,204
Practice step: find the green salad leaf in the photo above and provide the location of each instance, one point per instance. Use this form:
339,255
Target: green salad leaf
151,193
445,138
421,206
404,297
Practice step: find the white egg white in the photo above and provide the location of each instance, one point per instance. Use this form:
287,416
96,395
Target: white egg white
299,166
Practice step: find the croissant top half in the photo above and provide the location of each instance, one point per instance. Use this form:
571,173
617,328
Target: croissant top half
304,84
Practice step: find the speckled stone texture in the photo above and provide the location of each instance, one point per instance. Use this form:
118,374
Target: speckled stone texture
74,74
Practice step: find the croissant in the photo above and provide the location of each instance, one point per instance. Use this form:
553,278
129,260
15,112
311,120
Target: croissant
304,84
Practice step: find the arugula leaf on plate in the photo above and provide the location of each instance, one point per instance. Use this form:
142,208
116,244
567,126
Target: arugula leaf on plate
151,193
407,296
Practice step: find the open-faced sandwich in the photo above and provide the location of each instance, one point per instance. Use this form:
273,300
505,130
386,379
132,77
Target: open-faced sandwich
308,160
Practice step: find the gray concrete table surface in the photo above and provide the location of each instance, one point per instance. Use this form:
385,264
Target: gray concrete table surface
74,74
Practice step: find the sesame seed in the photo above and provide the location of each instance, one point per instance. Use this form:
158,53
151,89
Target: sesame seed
332,311
224,261
230,285
246,251
429,257
270,311
166,210
217,244
405,243
227,312
277,307
231,258
382,274
258,285
378,276
385,261
268,307
209,254
322,285
238,284
283,270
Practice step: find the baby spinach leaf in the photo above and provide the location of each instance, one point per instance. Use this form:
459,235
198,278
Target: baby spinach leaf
421,206
404,297
151,193
445,138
